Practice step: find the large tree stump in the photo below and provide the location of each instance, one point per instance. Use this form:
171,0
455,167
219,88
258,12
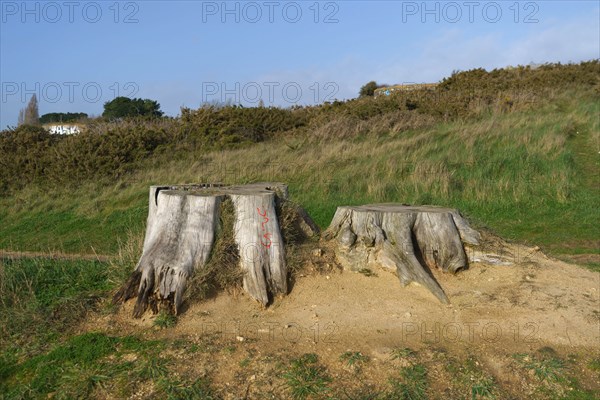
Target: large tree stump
180,232
404,239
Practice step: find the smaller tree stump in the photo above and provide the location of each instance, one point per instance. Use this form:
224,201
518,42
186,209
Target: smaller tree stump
404,239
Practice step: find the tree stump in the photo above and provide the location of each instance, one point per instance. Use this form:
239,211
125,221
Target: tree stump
180,232
404,239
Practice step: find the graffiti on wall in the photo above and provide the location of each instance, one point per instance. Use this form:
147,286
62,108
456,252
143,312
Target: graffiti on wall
63,129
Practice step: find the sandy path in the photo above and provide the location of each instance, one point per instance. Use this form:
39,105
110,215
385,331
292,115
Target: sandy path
537,302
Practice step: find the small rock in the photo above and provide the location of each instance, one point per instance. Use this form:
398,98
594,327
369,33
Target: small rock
327,277
407,315
317,252
239,338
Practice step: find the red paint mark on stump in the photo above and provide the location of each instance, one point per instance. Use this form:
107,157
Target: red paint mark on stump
267,235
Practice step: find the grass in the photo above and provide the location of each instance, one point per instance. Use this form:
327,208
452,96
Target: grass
525,175
165,319
177,389
306,378
594,365
42,357
354,359
412,384
555,380
220,272
470,378
402,353
548,369
43,297
96,365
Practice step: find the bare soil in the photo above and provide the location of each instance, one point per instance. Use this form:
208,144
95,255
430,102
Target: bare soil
496,311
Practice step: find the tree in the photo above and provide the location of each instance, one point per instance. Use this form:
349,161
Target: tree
123,107
368,89
62,117
30,114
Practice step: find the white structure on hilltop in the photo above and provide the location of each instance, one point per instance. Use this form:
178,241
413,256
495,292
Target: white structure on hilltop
63,129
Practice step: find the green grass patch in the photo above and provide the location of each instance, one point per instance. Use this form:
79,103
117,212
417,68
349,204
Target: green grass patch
354,360
547,368
306,378
412,384
165,320
97,365
553,377
470,378
40,297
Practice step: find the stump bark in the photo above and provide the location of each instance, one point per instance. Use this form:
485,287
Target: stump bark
404,239
180,233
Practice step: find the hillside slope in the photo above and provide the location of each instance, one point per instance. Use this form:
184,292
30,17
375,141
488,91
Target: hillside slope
527,175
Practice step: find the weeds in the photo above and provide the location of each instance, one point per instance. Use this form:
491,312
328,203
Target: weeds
471,378
545,369
412,385
165,319
354,359
306,378
402,353
175,389
594,365
152,368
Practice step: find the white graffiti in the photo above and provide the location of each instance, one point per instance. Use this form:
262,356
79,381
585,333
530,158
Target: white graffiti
64,129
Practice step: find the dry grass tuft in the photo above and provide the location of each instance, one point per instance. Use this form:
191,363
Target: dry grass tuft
222,271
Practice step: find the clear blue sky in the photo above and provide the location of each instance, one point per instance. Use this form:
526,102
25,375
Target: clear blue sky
77,55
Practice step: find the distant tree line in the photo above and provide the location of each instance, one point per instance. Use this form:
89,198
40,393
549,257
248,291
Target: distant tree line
118,108
123,107
62,117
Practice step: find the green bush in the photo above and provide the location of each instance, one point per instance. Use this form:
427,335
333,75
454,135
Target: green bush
111,149
123,107
62,117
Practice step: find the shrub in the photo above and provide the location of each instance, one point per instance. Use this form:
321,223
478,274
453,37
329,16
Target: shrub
111,149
